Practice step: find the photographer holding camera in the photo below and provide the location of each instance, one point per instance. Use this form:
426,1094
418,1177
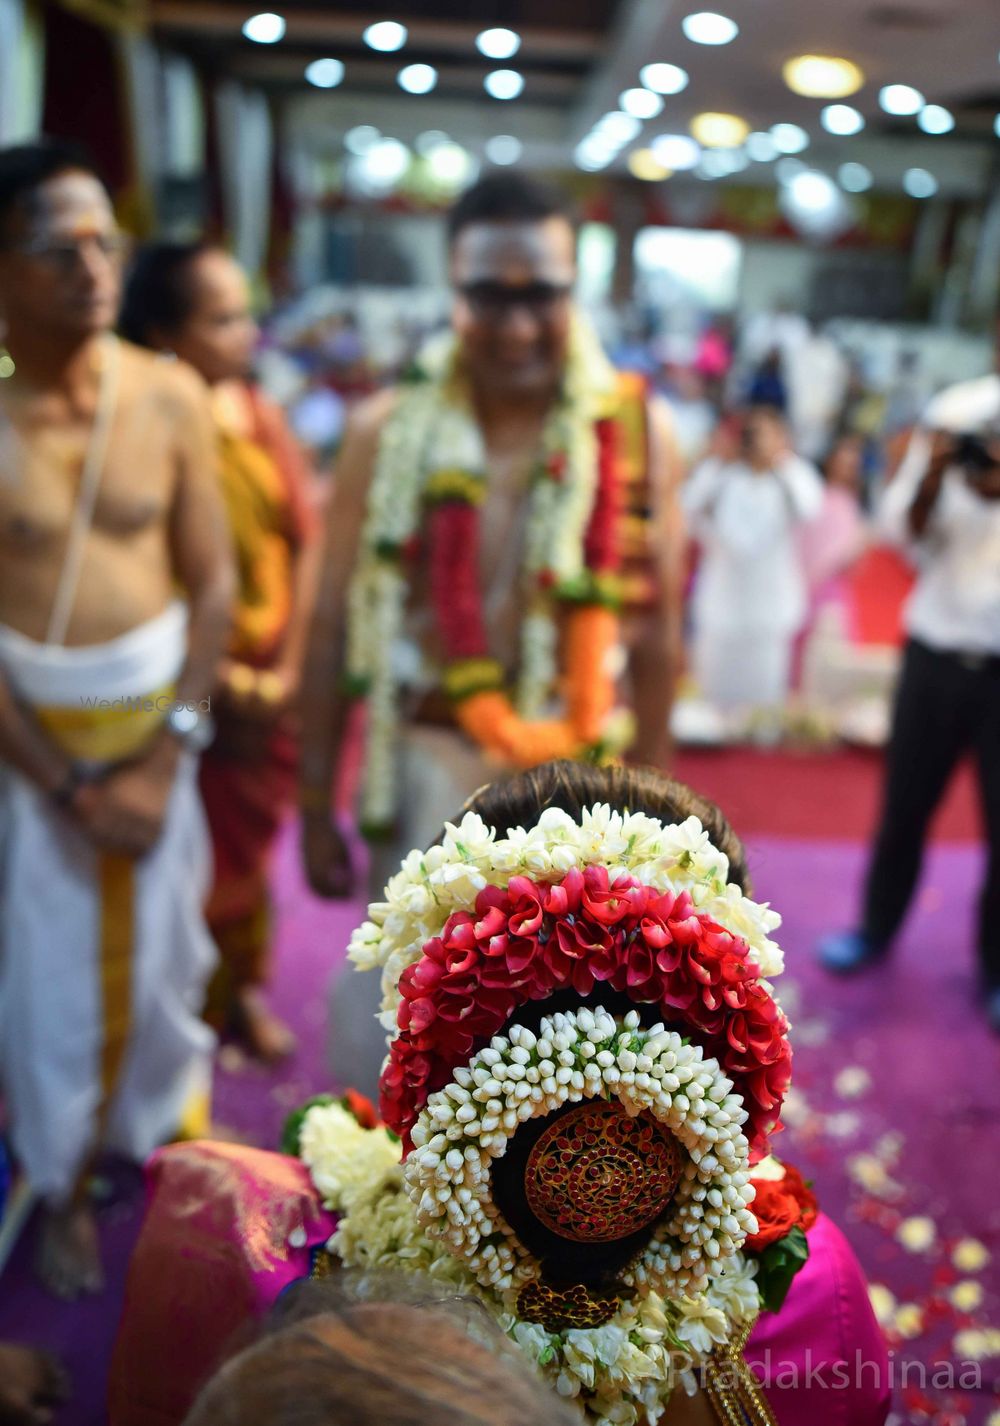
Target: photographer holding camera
944,506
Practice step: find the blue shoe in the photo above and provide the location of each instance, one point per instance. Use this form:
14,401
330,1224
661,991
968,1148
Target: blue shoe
845,952
993,1009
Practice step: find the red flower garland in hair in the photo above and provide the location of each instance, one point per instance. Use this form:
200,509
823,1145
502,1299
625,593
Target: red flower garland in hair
781,1205
525,943
473,678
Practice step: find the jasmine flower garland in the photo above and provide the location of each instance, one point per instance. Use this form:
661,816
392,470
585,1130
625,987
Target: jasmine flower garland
433,884
575,1056
620,1374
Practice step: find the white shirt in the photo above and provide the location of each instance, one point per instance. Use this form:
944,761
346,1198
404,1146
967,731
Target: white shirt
751,576
956,603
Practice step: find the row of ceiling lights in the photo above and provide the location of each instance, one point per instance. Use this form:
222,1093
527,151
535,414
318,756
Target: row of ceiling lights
722,144
389,36
377,163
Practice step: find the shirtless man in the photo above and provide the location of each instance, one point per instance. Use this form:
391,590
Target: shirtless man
108,508
512,266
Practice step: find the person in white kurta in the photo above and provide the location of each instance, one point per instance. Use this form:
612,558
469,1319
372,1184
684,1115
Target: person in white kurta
750,597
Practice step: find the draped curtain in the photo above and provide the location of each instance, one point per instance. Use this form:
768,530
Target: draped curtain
245,146
144,101
22,71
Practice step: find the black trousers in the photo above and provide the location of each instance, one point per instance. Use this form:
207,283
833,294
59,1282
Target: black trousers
947,705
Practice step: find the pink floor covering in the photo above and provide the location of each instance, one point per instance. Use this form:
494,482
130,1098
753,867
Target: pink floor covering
894,1116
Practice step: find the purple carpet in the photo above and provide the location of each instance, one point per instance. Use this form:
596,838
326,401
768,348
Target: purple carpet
893,1116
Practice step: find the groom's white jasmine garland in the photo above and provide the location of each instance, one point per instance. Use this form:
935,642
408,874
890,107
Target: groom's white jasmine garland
432,437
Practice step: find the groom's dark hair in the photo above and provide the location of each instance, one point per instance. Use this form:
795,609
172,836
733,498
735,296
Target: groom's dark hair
508,198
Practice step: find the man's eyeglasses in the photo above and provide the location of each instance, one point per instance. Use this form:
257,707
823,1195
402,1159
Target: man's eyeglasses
492,301
64,254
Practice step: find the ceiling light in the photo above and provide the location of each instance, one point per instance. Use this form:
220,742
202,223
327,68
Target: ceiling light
450,164
642,103
734,159
504,148
996,126
787,169
599,145
789,138
854,177
429,140
842,120
707,28
498,43
417,78
761,147
385,35
265,29
815,206
719,131
325,73
504,83
720,163
618,128
593,154
936,119
643,163
919,183
361,139
676,151
812,191
900,99
664,78
386,161
820,76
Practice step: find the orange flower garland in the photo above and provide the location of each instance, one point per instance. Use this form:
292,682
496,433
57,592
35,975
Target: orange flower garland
483,708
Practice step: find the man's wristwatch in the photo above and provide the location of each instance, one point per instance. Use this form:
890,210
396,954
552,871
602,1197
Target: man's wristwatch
76,776
193,730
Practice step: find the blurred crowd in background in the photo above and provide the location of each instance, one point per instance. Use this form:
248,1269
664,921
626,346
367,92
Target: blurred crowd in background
844,396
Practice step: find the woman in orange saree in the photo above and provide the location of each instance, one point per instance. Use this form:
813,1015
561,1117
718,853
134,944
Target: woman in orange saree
194,301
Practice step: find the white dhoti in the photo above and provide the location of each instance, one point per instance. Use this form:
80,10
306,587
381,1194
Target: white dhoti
438,769
103,959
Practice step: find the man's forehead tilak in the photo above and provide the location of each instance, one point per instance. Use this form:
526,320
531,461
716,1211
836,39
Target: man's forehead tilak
515,253
72,204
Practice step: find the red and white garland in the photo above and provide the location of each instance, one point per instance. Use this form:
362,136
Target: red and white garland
527,941
430,481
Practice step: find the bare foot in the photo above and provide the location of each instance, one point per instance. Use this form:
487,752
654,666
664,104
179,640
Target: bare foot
69,1258
30,1385
262,1034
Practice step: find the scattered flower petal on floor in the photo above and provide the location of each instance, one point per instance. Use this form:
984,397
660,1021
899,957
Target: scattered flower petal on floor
966,1296
970,1256
917,1234
977,1344
908,1320
883,1303
870,1173
852,1082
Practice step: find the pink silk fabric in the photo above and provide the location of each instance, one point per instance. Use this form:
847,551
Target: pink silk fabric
227,1229
822,1359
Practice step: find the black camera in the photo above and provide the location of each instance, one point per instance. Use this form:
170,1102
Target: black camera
972,453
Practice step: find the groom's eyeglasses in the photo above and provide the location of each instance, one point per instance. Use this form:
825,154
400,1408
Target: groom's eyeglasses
64,254
493,301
